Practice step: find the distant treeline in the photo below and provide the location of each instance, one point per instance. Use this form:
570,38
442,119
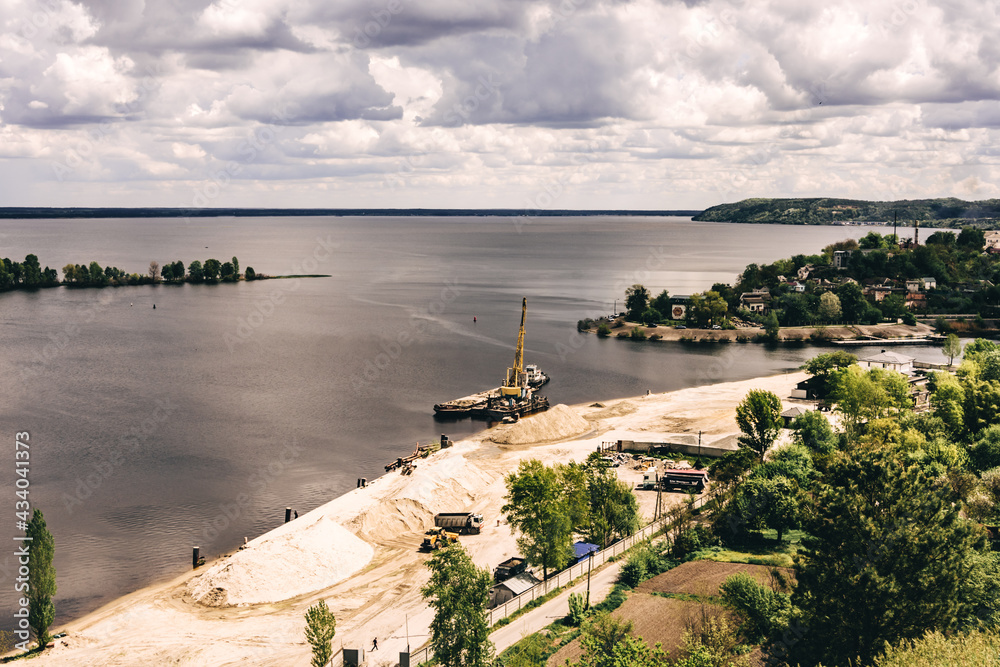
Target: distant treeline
944,212
29,274
143,212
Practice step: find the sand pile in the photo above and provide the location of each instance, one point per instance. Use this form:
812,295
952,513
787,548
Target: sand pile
448,482
619,409
556,423
289,561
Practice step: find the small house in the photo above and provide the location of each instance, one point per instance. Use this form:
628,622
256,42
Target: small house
929,283
892,361
510,589
792,413
841,258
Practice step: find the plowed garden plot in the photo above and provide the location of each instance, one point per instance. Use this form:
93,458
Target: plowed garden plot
654,618
703,577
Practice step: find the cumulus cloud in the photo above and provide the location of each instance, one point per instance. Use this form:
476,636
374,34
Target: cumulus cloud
622,103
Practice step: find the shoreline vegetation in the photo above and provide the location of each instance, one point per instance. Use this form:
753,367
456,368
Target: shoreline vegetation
28,275
946,212
875,288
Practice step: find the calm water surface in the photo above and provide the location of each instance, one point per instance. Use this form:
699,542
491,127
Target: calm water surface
147,425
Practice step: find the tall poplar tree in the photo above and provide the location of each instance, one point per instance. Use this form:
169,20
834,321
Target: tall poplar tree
41,577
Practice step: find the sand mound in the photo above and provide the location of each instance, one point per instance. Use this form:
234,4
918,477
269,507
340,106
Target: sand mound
390,518
554,424
619,409
283,564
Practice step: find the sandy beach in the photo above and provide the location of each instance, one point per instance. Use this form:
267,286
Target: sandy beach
359,552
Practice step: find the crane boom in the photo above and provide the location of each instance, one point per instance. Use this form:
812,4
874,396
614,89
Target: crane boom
516,378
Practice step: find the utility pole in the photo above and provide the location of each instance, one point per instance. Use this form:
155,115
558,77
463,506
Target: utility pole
699,447
590,566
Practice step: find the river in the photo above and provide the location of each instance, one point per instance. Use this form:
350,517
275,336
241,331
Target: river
199,421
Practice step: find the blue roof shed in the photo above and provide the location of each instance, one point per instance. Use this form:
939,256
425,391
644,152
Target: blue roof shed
582,550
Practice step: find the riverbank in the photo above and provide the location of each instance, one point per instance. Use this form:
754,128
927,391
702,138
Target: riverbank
359,552
876,333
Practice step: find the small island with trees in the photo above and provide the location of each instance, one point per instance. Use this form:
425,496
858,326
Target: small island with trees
28,275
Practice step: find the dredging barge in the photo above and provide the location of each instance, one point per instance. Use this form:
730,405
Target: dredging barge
515,398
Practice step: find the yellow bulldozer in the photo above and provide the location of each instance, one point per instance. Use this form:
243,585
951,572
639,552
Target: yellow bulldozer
437,538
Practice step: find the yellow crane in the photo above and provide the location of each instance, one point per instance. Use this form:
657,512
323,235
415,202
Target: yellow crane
517,380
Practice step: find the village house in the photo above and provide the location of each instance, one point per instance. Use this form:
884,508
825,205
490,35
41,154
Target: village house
756,301
992,241
889,360
903,364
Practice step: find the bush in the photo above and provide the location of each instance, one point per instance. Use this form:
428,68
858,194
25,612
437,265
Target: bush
692,540
637,334
764,612
584,324
577,608
655,336
603,330
618,323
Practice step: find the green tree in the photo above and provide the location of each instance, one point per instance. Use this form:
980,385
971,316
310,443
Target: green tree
813,430
771,326
613,509
852,301
97,276
971,238
759,417
195,272
459,592
321,626
32,276
861,396
829,307
636,300
886,557
661,303
41,577
227,271
985,451
211,269
948,403
651,316
979,347
236,267
952,348
893,306
537,507
250,273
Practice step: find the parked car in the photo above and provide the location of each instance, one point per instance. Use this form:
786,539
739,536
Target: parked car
680,326
716,326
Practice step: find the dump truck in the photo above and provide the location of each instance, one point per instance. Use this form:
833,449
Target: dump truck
437,538
685,480
463,522
510,568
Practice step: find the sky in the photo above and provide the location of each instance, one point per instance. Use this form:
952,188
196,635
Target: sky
524,104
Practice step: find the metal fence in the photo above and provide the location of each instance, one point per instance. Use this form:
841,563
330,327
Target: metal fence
425,653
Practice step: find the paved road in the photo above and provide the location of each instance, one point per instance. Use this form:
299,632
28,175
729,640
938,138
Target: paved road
601,583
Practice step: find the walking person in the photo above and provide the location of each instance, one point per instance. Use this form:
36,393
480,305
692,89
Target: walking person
375,643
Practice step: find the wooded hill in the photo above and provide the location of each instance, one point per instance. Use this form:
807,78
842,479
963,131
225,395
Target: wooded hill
946,212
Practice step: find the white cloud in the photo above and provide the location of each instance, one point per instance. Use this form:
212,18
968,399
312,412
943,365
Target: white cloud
642,104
